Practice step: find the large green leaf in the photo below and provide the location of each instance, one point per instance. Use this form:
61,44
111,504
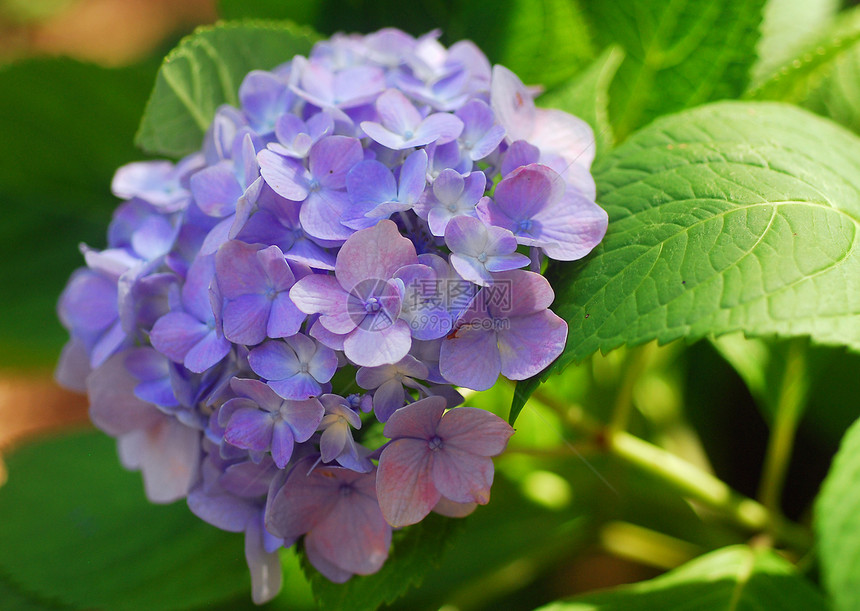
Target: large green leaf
204,72
735,578
680,53
788,27
826,78
66,127
837,524
729,217
77,529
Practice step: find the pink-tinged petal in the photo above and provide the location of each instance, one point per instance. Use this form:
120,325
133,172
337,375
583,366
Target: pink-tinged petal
418,420
285,319
376,252
275,267
245,319
470,356
475,430
216,190
287,177
74,367
354,536
450,509
512,104
320,562
531,343
572,228
332,157
462,476
167,454
265,567
397,113
114,408
562,133
322,294
250,429
388,398
404,482
321,213
238,270
373,348
207,352
283,441
301,503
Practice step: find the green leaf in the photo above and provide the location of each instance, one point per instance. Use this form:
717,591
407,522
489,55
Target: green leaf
736,578
787,28
67,127
204,72
587,96
678,54
730,217
544,42
837,524
415,550
826,78
76,528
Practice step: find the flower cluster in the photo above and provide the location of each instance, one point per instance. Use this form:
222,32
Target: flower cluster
364,234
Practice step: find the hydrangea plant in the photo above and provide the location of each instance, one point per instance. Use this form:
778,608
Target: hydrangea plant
278,326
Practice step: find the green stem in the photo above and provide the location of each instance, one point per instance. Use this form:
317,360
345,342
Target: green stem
789,409
636,364
703,487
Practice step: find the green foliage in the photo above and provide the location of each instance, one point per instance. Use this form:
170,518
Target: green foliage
66,129
735,578
77,529
587,96
728,217
678,54
837,524
826,77
787,28
414,550
204,72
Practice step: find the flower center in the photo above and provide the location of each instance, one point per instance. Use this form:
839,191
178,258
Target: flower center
435,443
525,224
482,257
372,305
303,368
314,185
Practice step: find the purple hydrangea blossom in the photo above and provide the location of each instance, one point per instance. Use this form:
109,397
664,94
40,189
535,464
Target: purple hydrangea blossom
433,456
260,421
337,511
358,222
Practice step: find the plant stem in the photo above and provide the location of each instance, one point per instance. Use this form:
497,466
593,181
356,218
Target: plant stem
789,409
637,362
712,492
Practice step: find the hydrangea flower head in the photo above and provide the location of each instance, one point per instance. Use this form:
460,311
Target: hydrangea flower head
278,324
